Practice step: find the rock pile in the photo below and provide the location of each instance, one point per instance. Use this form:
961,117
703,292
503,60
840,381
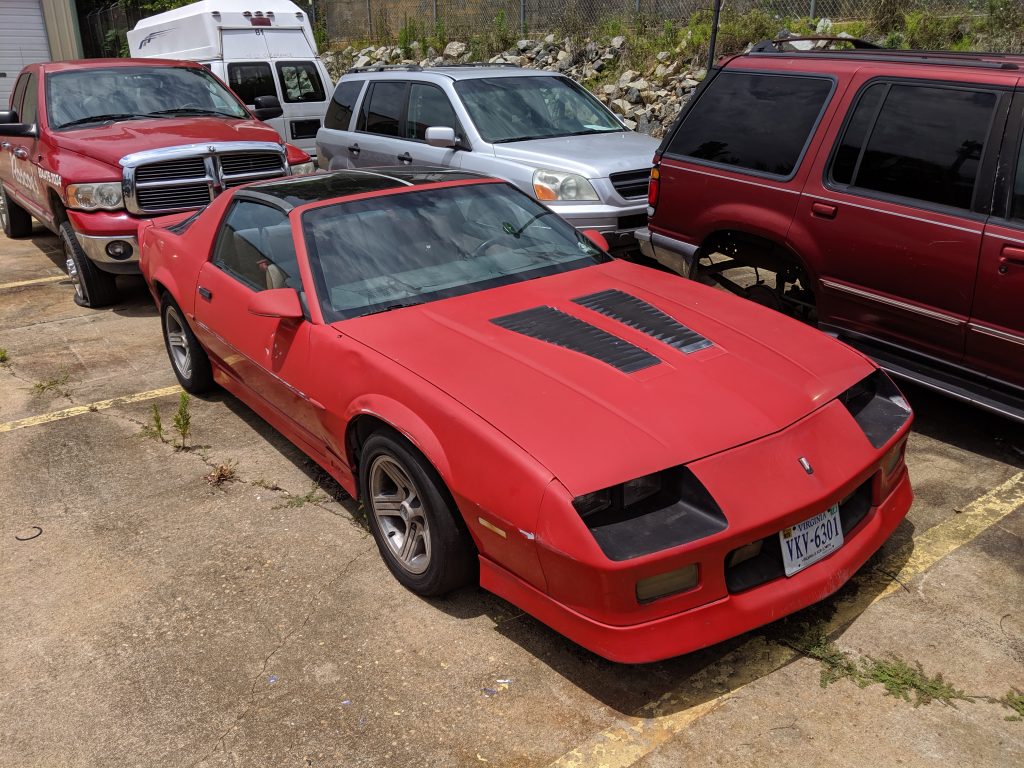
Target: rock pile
647,100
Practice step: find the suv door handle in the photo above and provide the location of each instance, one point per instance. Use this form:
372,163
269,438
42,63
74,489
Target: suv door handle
1011,255
824,210
206,293
20,152
405,157
354,149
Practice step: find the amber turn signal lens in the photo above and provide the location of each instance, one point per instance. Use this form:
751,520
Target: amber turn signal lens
665,584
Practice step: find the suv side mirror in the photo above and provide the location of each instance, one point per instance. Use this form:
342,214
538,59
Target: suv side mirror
441,136
267,107
18,129
9,116
282,303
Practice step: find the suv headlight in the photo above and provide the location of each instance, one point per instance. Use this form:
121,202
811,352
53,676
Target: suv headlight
91,197
557,185
304,169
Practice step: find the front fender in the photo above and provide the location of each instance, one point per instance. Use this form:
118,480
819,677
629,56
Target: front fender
405,421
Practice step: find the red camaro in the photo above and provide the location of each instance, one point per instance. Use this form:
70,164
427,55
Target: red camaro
645,464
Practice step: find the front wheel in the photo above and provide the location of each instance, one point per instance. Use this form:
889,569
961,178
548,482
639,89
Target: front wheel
189,360
411,518
93,287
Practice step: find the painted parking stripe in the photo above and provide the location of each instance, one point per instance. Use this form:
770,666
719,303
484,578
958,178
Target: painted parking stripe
629,740
34,281
78,410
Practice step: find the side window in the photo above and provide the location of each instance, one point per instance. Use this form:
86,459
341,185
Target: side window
339,113
300,81
926,144
29,111
753,121
845,163
18,93
255,245
251,80
428,107
1017,202
382,108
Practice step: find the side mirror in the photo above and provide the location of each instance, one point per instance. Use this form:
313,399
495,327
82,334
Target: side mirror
441,136
19,129
9,116
282,303
267,107
596,238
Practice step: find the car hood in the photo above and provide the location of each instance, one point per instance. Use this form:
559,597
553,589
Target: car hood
109,143
591,424
594,156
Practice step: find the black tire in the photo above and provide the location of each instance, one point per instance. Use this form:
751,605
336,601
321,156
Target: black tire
94,288
451,558
17,222
189,361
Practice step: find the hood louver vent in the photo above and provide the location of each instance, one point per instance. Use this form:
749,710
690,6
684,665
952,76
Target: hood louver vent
563,330
644,317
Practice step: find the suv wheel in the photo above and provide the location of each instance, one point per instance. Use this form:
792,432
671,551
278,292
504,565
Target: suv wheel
93,287
16,220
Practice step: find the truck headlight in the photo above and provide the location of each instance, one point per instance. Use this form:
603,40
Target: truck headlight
91,197
304,169
557,185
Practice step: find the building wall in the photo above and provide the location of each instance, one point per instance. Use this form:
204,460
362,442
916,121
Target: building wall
62,29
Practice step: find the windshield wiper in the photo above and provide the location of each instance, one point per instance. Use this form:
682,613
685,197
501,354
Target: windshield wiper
193,111
397,305
589,131
105,118
528,138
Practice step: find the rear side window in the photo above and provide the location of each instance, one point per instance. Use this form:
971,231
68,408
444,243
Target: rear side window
255,246
1017,202
428,108
339,113
382,109
753,121
924,142
251,80
300,82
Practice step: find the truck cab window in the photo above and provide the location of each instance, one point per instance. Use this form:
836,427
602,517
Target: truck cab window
250,80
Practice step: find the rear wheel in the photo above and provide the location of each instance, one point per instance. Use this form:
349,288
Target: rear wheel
17,222
189,360
412,519
93,287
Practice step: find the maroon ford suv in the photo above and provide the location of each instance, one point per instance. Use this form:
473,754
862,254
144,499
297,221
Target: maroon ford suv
878,193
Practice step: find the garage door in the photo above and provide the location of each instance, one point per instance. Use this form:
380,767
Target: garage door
22,41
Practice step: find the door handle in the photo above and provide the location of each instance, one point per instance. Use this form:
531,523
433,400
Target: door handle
354,149
1011,255
405,157
20,152
206,293
824,210
5,145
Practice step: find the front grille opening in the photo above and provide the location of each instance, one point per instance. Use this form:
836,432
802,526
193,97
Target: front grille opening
631,184
767,565
249,162
189,168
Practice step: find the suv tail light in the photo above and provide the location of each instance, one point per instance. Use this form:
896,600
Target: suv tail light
653,186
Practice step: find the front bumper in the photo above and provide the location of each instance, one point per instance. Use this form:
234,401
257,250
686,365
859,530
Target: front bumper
677,255
96,230
711,623
617,224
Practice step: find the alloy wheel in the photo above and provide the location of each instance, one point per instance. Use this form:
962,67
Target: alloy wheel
177,342
398,506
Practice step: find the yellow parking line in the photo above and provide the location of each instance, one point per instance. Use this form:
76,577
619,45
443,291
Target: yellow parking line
78,410
34,281
628,741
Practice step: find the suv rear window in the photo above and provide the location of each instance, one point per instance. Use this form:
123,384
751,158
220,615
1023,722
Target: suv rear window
753,121
339,113
919,141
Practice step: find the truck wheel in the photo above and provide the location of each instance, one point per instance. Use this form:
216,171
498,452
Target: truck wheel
16,220
93,287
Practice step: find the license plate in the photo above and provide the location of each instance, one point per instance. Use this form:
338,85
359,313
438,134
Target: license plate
811,540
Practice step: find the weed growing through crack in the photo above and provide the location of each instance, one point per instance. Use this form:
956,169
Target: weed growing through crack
4,357
267,484
183,420
223,473
58,384
899,678
155,428
312,496
1014,700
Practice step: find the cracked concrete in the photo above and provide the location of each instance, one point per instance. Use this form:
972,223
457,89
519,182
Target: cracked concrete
161,620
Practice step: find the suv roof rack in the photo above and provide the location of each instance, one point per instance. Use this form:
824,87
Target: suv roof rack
866,51
418,68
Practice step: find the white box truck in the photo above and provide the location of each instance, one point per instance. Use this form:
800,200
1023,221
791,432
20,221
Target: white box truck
258,47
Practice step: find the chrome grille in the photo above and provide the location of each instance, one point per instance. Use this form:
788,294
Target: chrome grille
189,177
631,184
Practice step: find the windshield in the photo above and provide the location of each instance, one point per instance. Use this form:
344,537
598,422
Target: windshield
94,96
398,250
520,108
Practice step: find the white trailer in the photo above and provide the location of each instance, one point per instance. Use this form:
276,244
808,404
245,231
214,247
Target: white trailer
258,47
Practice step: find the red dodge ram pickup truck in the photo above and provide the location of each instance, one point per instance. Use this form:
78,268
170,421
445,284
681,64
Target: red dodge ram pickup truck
90,148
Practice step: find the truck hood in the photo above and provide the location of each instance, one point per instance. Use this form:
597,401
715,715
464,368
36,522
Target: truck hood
586,421
594,156
109,143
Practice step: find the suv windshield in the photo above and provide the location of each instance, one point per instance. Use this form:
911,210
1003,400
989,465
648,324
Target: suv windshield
508,109
409,248
93,96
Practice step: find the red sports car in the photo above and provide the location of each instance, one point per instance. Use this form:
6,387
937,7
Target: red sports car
645,464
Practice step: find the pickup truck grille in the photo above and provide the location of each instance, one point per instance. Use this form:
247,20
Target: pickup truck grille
630,184
189,177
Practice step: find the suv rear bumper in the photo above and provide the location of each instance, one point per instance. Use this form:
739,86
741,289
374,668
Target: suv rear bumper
677,255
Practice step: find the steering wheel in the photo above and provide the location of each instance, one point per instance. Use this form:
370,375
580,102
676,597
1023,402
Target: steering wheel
480,249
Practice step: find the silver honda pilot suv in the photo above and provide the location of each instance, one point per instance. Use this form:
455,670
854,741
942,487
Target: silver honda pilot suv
539,130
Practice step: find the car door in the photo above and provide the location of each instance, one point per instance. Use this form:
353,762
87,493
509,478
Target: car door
895,212
378,139
429,107
254,251
21,151
995,333
304,97
336,142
